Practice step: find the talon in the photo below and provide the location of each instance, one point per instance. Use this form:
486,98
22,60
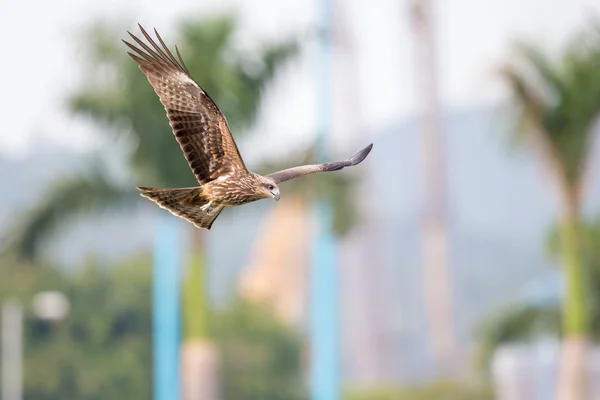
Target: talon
206,207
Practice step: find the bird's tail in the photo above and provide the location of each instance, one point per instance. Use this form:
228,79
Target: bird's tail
185,203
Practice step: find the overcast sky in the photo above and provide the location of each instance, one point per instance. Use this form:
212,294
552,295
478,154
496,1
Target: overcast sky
40,59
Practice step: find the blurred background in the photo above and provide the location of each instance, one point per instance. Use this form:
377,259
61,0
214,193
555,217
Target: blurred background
459,261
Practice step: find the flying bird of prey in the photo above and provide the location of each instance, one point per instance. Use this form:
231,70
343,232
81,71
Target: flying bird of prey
207,144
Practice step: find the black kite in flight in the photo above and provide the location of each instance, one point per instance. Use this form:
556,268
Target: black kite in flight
207,144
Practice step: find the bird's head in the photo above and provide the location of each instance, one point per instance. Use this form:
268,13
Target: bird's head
268,188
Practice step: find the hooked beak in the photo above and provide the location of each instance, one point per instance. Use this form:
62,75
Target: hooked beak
275,194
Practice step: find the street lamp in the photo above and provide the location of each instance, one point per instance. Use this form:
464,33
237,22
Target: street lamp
49,306
12,350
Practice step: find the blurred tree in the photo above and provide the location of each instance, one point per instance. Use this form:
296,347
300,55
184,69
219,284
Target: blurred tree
260,357
518,323
557,106
102,350
525,322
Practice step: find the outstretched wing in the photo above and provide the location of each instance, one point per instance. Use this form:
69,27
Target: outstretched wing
291,173
198,124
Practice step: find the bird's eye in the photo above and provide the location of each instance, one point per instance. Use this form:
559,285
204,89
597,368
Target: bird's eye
270,187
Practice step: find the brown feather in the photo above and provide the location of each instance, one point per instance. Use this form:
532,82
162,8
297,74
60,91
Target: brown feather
176,201
291,173
204,136
197,123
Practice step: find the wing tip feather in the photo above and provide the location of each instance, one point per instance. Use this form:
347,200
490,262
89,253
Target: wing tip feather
360,155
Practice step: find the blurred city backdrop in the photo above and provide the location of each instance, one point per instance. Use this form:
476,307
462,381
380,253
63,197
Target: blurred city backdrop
465,247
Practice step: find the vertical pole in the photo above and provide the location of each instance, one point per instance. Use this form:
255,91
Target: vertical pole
199,357
324,369
434,251
165,292
12,350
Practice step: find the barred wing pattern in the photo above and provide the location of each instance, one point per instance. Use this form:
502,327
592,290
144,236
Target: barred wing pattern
172,201
199,126
291,173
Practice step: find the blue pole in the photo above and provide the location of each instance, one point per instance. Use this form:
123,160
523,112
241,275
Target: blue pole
165,302
324,351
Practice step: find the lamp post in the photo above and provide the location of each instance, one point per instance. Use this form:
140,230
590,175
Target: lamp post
50,306
12,350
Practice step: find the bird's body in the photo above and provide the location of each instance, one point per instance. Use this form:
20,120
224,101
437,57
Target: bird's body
207,144
244,191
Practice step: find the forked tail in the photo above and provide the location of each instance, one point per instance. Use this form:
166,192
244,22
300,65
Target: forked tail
177,202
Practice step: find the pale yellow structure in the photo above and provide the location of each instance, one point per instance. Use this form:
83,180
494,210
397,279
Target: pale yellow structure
276,274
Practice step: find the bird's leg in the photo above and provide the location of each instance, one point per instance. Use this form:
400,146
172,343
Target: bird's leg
206,207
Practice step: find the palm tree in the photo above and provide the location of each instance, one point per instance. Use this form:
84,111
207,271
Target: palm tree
527,320
557,104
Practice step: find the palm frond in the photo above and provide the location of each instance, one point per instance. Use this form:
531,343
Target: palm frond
527,103
548,77
520,323
558,102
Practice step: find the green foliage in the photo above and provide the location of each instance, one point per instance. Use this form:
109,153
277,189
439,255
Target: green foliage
434,391
558,101
524,322
260,357
102,350
520,323
557,104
